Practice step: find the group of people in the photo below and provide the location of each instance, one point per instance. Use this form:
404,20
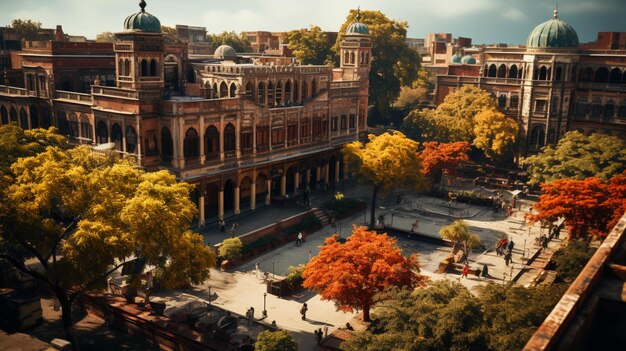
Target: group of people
504,247
222,225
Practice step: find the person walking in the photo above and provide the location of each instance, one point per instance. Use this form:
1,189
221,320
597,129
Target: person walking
299,239
485,271
303,311
511,245
465,271
221,224
233,229
507,258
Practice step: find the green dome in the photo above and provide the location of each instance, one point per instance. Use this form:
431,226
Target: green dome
553,34
358,27
225,52
142,21
456,58
468,60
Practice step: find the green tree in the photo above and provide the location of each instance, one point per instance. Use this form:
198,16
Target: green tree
27,29
577,156
458,233
278,340
230,249
310,46
239,42
495,133
423,125
105,37
393,63
82,215
386,162
571,259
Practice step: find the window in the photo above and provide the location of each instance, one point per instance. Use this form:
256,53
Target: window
352,121
278,135
502,101
609,109
246,139
540,105
305,130
334,123
262,136
514,101
596,107
229,138
144,68
344,122
581,108
292,132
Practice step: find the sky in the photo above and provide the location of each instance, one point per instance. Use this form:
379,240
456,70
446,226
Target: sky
485,21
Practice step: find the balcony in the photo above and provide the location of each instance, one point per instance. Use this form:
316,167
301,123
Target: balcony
6,90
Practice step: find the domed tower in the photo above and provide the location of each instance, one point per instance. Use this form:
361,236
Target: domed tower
356,47
553,33
139,52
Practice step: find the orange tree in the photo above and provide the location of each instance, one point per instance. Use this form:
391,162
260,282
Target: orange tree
388,161
438,158
588,207
351,273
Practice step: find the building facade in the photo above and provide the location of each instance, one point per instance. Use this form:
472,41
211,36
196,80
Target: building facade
243,131
553,85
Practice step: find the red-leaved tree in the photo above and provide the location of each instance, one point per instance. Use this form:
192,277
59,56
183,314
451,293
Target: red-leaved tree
438,158
588,206
353,272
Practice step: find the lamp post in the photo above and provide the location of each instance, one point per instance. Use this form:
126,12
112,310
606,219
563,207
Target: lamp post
273,268
264,305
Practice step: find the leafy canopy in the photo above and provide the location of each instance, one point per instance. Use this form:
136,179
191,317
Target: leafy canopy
352,273
571,259
438,158
494,132
231,249
278,340
239,42
393,63
310,46
577,156
458,233
27,29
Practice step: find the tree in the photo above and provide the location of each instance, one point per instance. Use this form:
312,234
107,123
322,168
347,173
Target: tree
393,63
458,233
386,162
105,37
310,46
571,259
588,207
495,133
412,95
278,340
352,273
577,156
423,125
439,158
239,42
83,215
231,249
170,35
27,29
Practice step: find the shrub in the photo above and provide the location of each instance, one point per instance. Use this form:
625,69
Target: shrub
294,278
342,206
570,260
274,341
231,249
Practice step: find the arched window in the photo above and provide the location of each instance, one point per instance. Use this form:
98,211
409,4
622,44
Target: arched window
233,89
502,71
34,117
616,76
131,139
581,107
4,114
313,87
513,71
288,99
62,124
167,145
602,75
295,91
144,68
362,57
102,134
120,67
346,57
270,93
586,75
214,91
514,102
191,147
126,67
278,93
492,71
223,90
85,129
153,68
621,113
116,136
596,107
13,115
502,101
352,57
609,109
543,73
261,92
229,138
537,136
305,90
212,143
23,119
249,90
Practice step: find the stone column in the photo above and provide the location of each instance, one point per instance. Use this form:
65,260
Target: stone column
283,185
220,204
221,134
326,171
268,196
201,137
253,196
296,179
237,211
308,177
201,209
337,172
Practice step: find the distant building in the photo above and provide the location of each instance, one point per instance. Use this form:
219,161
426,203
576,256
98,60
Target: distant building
242,130
551,86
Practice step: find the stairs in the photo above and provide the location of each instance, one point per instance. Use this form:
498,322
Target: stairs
322,216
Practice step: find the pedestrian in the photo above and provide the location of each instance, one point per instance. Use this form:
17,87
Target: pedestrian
221,224
299,239
249,315
465,271
233,229
507,258
509,210
348,326
511,245
318,335
485,271
414,226
257,268
303,311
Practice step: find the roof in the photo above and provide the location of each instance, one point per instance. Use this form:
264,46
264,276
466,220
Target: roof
553,33
142,21
468,60
357,27
225,52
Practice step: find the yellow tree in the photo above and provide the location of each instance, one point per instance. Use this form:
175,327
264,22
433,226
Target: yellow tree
83,215
458,233
495,132
386,162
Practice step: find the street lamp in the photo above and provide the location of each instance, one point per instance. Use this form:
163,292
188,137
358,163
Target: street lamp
264,305
273,268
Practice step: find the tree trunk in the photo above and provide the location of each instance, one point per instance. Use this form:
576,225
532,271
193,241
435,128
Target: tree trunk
366,313
373,206
66,315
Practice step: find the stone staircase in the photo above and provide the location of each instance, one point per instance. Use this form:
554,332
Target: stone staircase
322,216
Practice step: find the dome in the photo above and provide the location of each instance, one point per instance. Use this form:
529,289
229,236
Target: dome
553,34
468,60
225,52
142,21
358,27
456,58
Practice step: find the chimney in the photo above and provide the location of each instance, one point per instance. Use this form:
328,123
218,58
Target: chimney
59,35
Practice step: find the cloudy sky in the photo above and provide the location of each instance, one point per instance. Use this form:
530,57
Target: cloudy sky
485,21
